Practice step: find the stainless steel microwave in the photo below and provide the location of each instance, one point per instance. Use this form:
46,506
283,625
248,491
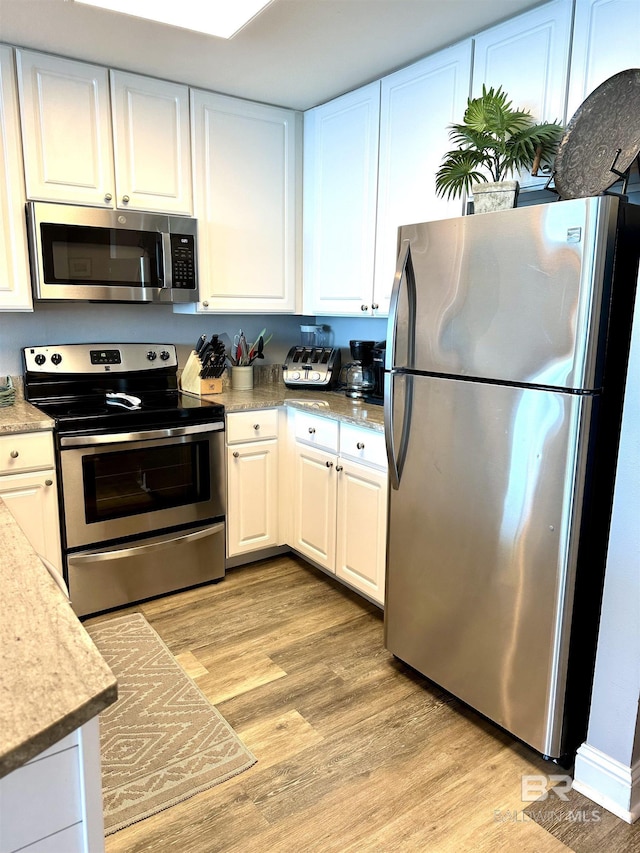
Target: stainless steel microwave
88,254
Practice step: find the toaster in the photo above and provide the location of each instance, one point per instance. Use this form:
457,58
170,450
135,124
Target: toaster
312,367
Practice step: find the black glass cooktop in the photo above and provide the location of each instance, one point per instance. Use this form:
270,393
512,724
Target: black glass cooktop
159,410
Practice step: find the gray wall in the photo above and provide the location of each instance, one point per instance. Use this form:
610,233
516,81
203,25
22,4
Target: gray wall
104,323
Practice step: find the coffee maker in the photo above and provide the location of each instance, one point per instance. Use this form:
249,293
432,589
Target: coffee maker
357,377
377,365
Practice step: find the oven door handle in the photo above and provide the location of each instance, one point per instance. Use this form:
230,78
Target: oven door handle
146,435
157,545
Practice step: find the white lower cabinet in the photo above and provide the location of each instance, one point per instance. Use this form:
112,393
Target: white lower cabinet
252,481
340,501
54,802
28,487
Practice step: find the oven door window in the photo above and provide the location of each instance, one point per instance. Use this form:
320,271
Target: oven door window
130,482
81,255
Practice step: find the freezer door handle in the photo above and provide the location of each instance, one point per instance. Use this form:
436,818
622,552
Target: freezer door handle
402,314
397,454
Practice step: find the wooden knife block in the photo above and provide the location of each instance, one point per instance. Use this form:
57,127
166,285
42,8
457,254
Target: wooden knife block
191,383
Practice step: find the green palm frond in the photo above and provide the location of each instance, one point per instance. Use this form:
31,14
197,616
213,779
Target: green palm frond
496,138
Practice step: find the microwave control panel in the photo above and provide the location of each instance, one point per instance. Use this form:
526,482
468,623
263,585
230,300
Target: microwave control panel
183,261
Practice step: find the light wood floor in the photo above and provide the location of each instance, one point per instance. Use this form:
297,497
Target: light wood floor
356,752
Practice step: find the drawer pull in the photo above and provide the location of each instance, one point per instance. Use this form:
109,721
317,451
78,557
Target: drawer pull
256,427
360,445
312,430
235,454
14,454
329,464
339,467
48,482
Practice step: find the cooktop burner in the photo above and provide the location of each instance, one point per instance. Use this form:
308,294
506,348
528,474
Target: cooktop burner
70,383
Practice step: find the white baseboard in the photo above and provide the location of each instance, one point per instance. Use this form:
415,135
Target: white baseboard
608,782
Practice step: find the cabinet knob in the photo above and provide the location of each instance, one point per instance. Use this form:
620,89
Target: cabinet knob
108,197
374,306
205,304
329,464
256,427
339,467
360,445
125,199
14,454
364,307
312,430
235,454
48,482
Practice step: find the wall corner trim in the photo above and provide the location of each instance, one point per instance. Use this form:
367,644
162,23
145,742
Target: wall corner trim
608,782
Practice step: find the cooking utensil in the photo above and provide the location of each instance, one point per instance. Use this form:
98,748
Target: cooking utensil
201,342
602,139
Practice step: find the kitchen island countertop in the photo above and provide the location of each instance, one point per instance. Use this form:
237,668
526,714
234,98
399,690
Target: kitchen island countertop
52,677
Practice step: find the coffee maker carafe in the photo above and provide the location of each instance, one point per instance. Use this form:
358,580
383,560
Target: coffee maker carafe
357,377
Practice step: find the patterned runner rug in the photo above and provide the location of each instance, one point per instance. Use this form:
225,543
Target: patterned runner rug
162,741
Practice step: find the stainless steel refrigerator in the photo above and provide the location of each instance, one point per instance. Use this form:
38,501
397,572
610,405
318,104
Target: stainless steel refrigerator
506,354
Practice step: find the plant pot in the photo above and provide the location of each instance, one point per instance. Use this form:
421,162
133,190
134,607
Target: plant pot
490,197
242,378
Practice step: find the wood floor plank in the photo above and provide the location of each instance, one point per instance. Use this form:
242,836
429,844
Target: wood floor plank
356,751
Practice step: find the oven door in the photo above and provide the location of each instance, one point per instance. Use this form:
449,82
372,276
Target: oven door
122,485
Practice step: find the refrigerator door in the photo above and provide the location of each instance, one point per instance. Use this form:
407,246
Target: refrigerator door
514,296
481,563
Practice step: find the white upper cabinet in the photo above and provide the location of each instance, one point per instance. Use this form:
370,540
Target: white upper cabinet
418,104
340,189
15,284
606,40
529,57
152,144
66,130
75,154
247,199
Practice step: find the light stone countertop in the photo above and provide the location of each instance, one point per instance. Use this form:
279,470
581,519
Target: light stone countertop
52,677
330,404
23,417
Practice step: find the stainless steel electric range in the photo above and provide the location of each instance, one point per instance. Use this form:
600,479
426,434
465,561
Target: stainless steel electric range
141,471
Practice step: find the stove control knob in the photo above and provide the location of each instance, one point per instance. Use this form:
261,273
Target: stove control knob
164,355
56,358
151,355
40,359
295,375
315,376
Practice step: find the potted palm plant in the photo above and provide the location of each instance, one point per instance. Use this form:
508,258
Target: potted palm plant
494,141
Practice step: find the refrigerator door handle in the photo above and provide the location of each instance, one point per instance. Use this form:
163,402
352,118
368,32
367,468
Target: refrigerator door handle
396,459
404,276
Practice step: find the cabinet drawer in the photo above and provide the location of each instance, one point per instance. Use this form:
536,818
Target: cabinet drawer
26,452
320,432
252,426
364,445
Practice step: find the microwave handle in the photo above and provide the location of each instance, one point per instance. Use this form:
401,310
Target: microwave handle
165,262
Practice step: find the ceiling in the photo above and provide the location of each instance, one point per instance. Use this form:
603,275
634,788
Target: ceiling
296,53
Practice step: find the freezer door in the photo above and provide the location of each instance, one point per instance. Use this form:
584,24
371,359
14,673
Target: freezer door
516,296
482,545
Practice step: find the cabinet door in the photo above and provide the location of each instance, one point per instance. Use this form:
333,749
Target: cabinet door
246,200
15,283
362,528
252,492
340,187
152,143
32,500
66,130
605,41
538,84
417,105
314,500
